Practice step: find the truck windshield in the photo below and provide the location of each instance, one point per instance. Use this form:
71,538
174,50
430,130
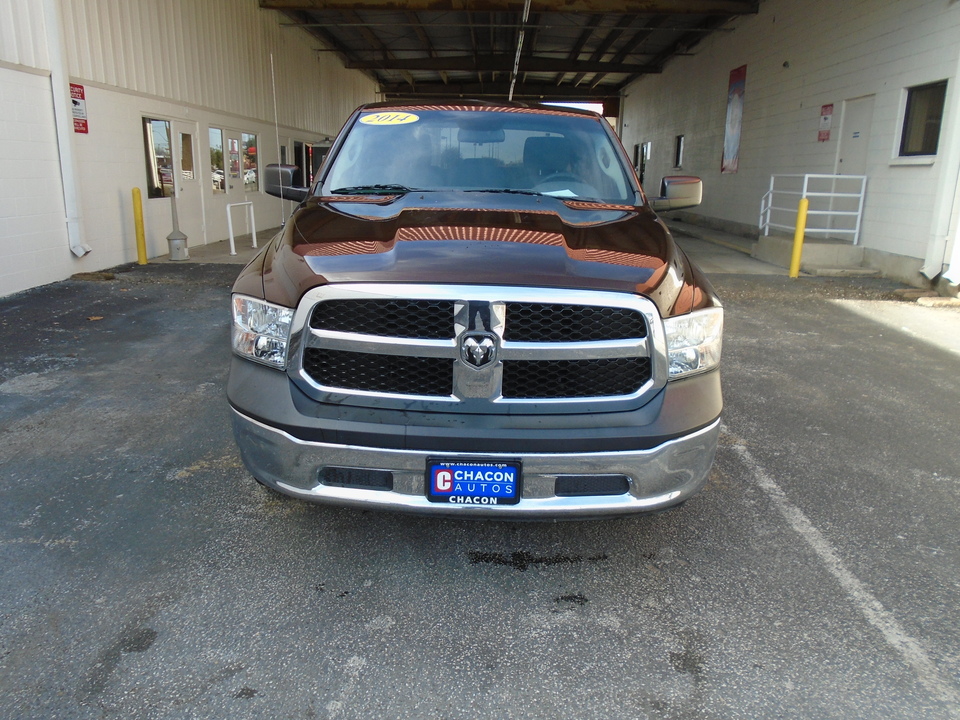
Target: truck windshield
566,156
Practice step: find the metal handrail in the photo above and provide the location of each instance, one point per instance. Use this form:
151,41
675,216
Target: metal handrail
253,224
825,200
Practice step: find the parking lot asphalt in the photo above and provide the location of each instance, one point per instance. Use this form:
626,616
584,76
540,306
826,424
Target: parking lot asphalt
146,575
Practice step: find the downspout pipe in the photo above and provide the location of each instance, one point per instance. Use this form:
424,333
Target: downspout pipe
63,113
944,209
952,273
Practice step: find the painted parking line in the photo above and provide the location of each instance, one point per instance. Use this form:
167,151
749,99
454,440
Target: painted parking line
883,620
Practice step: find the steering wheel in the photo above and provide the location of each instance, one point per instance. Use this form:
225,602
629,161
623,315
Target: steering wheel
560,177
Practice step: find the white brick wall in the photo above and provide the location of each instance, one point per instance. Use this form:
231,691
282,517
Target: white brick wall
836,52
33,235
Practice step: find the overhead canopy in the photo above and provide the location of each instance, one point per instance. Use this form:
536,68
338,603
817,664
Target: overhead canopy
534,50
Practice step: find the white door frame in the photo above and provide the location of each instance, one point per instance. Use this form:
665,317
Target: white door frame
191,210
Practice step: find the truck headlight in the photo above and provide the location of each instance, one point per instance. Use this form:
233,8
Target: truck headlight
261,331
693,341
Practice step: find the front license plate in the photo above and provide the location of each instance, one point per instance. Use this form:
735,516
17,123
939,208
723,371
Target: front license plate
473,483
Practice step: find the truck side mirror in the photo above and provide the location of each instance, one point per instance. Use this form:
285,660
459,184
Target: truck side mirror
286,182
678,192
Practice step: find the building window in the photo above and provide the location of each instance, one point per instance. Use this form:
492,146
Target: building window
156,143
922,118
641,154
233,155
217,169
299,159
303,159
249,144
186,157
678,152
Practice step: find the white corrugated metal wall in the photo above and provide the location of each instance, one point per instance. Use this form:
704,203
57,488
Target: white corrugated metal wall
22,39
199,63
212,54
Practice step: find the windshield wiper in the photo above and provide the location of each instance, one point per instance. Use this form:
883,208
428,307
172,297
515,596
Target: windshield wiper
374,190
508,191
590,200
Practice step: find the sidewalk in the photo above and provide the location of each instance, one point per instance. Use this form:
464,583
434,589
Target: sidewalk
717,252
218,253
714,251
936,322
737,243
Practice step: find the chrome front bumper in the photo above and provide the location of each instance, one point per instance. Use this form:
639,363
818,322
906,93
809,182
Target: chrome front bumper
658,478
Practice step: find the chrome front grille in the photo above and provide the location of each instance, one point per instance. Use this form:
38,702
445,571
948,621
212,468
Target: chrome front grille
477,349
427,319
370,372
554,379
556,322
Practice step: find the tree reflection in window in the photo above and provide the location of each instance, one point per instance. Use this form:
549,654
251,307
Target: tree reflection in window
249,145
156,143
217,169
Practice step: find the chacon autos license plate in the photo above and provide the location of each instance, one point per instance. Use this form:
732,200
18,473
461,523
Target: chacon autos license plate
473,482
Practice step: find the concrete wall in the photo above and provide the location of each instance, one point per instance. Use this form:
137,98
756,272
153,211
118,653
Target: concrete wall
801,55
196,64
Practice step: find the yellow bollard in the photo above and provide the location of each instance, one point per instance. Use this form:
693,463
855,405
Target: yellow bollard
138,226
798,237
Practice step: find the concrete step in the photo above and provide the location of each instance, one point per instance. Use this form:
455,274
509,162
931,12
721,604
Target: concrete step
912,293
940,302
839,271
818,256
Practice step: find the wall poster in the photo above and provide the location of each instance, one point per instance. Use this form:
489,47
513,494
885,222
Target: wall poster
731,132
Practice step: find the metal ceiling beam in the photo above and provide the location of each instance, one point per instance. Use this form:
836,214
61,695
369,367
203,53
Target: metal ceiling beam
500,89
592,22
501,63
492,39
492,44
504,26
356,51
611,103
333,45
622,24
680,47
473,42
632,44
424,39
633,7
515,71
599,39
373,41
533,34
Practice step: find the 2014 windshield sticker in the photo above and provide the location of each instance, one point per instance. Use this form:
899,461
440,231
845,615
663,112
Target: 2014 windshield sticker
389,118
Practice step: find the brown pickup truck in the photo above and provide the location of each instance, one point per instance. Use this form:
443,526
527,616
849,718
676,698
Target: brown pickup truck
475,310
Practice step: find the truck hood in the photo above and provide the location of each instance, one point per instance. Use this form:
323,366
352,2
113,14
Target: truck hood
498,240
